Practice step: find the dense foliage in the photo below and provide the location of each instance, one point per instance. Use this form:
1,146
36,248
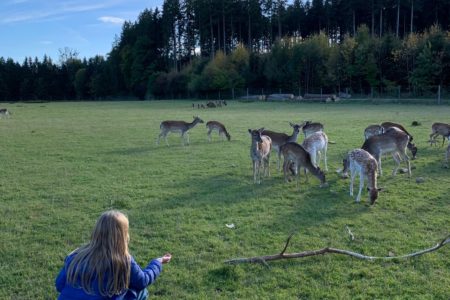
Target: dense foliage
192,48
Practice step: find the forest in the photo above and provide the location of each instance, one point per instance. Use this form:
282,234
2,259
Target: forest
195,48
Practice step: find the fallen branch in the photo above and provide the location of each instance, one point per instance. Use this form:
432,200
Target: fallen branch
282,255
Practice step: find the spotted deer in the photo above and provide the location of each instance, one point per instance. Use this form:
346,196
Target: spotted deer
439,129
392,142
309,128
316,144
296,157
395,126
215,125
279,139
177,126
361,162
373,130
260,153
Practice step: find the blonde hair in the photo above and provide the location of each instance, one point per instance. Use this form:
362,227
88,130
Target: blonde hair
105,255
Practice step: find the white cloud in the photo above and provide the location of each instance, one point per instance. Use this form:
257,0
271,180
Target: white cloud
114,20
46,42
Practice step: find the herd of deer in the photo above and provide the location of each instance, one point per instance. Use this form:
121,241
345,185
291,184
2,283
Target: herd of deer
386,138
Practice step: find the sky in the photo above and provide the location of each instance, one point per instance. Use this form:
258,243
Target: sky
32,28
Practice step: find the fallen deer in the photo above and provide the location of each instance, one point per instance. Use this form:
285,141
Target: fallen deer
439,129
392,142
296,157
177,126
279,139
316,144
260,153
361,162
215,125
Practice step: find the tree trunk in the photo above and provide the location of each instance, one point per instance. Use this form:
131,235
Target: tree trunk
373,19
381,21
412,16
398,18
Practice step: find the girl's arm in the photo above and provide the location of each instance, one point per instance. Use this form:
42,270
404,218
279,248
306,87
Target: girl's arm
141,278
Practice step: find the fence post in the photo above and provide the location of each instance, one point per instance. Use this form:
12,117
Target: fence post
279,91
247,93
232,93
399,91
439,95
320,93
371,92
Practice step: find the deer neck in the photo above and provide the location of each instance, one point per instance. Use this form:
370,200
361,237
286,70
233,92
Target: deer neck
371,178
293,136
192,124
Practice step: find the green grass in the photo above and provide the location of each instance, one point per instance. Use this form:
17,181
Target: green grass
62,164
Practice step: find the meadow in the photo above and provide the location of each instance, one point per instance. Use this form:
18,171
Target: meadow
63,164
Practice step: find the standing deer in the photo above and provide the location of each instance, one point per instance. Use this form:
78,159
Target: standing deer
4,112
279,139
296,156
260,153
439,129
362,162
373,130
310,127
316,144
392,141
214,125
177,126
394,126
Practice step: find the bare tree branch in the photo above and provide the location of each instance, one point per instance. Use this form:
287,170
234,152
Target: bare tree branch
283,255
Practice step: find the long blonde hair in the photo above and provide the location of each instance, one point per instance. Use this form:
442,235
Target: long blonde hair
106,255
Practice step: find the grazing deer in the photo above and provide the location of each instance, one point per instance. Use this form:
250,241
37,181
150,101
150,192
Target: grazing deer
392,141
362,162
214,125
439,129
310,127
386,125
4,112
295,155
279,139
373,130
177,126
316,144
260,153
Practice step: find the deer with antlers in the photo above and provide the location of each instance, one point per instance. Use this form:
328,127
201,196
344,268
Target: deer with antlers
279,139
260,153
177,126
295,158
361,162
215,125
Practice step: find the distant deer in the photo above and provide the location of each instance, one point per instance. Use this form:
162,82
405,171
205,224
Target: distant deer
317,144
215,125
4,112
439,129
390,125
362,162
177,126
392,142
309,128
260,153
373,130
297,157
279,139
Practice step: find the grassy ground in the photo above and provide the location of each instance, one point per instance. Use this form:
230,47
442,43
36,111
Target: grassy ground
62,164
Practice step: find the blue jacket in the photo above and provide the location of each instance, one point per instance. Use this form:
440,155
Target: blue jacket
139,279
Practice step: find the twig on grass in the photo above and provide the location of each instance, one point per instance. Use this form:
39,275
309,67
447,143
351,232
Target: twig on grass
282,255
352,237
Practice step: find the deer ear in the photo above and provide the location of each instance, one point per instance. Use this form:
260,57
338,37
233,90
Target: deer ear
250,131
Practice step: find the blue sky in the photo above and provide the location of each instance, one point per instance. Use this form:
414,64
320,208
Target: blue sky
37,27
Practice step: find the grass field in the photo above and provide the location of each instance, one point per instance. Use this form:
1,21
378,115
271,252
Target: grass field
62,164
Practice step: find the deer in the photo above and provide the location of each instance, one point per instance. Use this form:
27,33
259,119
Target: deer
310,127
177,126
215,125
391,142
439,129
394,126
260,148
373,130
296,157
361,162
279,139
4,112
316,144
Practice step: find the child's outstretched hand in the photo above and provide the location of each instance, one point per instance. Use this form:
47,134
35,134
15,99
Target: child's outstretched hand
166,258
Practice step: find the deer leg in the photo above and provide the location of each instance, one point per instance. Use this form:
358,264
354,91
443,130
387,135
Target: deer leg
361,185
268,164
379,165
352,179
325,157
209,135
443,141
254,162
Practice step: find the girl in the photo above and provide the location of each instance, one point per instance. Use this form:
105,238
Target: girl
104,269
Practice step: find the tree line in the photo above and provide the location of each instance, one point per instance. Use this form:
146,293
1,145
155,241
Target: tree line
191,48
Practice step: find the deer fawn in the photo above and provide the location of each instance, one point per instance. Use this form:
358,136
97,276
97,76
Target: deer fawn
297,157
260,153
362,162
439,129
316,144
214,125
177,126
279,139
